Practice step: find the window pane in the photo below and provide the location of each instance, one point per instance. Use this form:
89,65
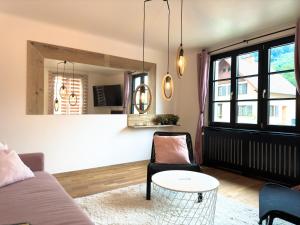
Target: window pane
146,80
282,58
222,90
282,112
247,112
137,82
282,85
221,112
248,64
222,69
247,88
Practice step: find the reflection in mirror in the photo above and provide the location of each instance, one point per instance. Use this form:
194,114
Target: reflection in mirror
97,84
88,89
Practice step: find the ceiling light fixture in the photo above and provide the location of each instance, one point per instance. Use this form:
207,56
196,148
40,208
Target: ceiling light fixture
73,96
63,92
167,83
180,62
56,102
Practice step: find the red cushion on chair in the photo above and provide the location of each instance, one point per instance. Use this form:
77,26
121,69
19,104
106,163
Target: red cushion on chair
171,149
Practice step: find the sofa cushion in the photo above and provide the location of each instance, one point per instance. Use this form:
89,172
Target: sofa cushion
12,169
39,201
171,149
3,146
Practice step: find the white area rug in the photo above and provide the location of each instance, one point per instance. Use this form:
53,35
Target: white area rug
128,206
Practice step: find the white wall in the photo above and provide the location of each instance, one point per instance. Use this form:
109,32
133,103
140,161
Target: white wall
187,95
69,142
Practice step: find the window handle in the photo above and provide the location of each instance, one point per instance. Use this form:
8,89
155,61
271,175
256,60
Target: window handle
231,95
264,93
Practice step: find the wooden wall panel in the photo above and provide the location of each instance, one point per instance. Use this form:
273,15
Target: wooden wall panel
36,52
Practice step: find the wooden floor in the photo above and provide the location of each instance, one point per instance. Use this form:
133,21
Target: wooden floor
91,181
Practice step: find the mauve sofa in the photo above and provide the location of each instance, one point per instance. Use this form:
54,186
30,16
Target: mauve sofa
40,200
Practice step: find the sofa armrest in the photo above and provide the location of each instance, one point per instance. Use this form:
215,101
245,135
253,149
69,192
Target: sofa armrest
35,161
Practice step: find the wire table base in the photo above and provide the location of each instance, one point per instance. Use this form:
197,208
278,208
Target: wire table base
183,208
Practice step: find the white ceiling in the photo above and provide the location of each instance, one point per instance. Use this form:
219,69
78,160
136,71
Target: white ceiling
206,22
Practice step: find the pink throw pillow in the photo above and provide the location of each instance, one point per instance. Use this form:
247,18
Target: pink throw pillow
171,149
12,169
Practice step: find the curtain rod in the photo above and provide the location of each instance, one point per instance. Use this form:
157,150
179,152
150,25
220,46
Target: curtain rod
251,39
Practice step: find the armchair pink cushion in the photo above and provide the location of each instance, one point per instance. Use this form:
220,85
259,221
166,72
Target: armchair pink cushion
171,149
12,169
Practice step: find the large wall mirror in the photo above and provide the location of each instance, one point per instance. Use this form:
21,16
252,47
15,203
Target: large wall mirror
66,81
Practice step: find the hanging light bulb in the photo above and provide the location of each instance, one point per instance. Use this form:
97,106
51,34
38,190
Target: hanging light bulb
143,96
180,61
63,92
180,65
168,83
56,105
73,99
167,87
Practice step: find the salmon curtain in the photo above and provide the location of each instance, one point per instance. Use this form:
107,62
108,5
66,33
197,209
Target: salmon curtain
203,62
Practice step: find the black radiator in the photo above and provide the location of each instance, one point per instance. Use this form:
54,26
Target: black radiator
271,155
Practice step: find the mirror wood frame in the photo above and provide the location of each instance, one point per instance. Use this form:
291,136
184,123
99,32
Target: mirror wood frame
37,52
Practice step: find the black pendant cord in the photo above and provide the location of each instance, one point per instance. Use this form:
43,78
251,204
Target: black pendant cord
144,24
251,39
72,79
168,36
181,23
63,79
56,77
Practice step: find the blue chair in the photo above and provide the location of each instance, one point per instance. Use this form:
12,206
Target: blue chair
277,201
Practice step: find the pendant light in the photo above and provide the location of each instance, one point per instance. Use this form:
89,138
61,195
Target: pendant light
167,83
63,92
73,96
56,102
142,95
180,61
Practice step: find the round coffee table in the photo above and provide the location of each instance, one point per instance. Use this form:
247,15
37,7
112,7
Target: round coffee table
185,197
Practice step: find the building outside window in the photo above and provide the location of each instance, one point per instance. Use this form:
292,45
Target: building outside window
243,88
265,82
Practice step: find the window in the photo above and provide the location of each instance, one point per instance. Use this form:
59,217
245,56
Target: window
55,81
222,90
245,110
219,111
261,87
137,80
243,88
282,85
274,111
